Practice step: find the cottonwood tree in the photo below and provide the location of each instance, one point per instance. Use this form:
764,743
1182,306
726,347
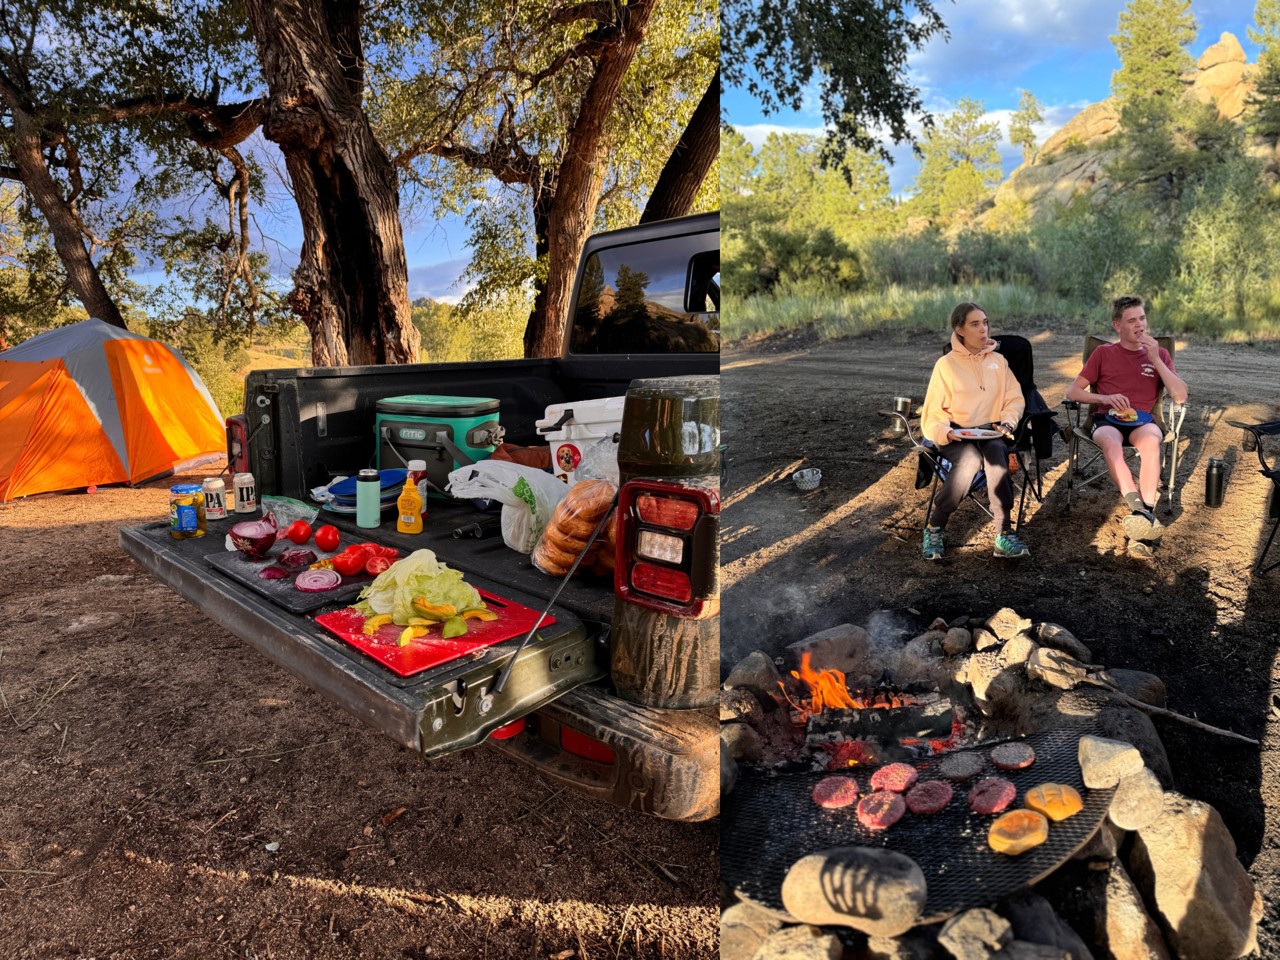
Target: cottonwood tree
542,123
854,50
1021,123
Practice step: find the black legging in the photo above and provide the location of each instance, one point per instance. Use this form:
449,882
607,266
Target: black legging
967,458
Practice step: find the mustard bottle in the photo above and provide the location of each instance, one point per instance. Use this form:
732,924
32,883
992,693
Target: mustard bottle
409,508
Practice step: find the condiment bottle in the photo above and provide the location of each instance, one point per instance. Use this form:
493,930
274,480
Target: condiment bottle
368,498
418,474
409,506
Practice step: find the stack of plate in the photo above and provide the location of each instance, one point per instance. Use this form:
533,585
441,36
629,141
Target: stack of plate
344,492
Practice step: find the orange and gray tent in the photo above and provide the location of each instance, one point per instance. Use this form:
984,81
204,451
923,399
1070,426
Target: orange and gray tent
91,403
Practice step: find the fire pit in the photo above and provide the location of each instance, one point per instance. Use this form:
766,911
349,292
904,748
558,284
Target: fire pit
771,821
1136,854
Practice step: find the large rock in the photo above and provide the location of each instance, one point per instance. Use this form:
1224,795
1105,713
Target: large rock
1022,950
1121,925
1055,668
1060,638
1222,77
1094,123
743,930
1119,721
743,742
844,648
984,639
801,943
957,641
1138,800
757,673
873,890
1006,624
1033,920
728,770
1019,649
1104,763
1103,845
975,934
920,943
1185,864
1145,687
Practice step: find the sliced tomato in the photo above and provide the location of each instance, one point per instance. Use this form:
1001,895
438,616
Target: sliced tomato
349,564
376,565
379,550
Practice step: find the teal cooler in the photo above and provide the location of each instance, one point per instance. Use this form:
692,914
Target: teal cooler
446,432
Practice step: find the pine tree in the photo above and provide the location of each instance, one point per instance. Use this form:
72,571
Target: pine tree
1020,126
1151,40
961,160
1264,102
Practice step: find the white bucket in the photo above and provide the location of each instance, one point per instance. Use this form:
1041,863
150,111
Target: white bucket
573,426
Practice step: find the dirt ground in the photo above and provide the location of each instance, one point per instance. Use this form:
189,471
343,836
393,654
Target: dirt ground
165,791
796,563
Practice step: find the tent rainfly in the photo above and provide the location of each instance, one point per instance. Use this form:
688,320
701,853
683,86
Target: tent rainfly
91,403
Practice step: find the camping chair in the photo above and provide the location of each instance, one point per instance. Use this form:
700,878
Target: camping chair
1165,412
1271,472
1032,438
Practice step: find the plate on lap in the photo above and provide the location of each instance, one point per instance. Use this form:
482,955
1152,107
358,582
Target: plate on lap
1142,417
977,433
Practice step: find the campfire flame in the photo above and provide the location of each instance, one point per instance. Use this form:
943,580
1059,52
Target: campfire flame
828,690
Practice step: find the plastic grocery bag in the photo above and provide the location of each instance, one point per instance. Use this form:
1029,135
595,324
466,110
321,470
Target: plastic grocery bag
528,497
600,462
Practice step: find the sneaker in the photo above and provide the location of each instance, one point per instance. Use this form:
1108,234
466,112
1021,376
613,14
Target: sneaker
933,543
1142,525
1146,549
1008,545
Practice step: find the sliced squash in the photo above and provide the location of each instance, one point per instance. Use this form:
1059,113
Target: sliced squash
454,627
434,611
478,613
372,624
409,634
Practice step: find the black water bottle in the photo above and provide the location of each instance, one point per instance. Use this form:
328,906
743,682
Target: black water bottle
1213,480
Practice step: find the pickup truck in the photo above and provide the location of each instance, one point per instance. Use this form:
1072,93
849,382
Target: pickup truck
613,699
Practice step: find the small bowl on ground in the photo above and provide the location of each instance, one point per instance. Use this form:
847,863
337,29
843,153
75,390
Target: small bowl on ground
807,480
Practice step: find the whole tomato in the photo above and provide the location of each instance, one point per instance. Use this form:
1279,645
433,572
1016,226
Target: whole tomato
328,537
299,532
349,564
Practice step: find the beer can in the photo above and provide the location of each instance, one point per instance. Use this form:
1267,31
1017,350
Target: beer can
215,498
246,493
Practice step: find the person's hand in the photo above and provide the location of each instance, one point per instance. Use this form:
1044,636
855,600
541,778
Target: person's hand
1116,401
952,438
1151,345
1005,429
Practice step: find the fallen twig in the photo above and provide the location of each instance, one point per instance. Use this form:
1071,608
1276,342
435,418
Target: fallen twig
266,756
1171,714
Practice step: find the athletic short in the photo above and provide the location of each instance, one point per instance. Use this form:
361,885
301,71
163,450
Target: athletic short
1100,420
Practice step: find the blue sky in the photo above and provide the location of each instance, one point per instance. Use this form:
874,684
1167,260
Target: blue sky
1060,50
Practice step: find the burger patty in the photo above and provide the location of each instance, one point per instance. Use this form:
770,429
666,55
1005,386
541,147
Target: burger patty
896,777
961,766
929,796
832,793
991,795
1013,756
880,810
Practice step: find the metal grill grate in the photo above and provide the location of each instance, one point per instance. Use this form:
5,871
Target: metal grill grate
770,821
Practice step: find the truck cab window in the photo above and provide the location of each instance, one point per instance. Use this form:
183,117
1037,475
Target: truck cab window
653,297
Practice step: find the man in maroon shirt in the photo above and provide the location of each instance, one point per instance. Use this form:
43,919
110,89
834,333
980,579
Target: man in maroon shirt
1126,376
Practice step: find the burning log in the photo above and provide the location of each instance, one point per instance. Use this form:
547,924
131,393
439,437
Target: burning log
928,717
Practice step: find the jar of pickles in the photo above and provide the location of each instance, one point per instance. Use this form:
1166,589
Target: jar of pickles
186,511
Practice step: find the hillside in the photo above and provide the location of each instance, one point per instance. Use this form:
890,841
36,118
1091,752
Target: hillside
1074,159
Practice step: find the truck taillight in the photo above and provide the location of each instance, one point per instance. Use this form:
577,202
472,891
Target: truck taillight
237,444
589,748
666,546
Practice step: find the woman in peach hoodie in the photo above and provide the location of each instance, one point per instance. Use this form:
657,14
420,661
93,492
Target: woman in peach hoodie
972,387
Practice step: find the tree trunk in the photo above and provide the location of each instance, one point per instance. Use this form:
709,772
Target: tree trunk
571,210
68,240
351,287
689,162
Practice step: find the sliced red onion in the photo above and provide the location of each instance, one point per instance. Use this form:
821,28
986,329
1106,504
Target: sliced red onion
273,572
254,538
317,581
295,558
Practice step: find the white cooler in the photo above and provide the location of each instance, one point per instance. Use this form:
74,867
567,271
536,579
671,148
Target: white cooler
570,428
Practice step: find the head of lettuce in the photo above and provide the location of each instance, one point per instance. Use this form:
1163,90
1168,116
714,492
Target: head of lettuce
418,575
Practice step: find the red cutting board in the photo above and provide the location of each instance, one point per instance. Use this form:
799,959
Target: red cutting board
514,620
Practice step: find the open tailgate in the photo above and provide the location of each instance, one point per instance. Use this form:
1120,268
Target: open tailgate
440,710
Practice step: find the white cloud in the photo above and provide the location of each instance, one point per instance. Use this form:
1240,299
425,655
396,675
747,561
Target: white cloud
757,133
439,281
